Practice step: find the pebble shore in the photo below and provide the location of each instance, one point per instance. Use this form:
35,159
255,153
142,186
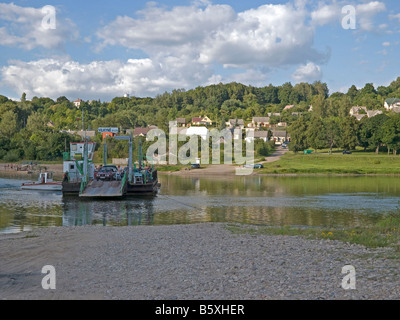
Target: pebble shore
189,262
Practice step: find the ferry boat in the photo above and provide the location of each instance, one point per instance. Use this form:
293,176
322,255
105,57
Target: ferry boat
74,167
79,175
45,183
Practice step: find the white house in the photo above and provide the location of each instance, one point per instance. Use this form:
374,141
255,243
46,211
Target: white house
392,103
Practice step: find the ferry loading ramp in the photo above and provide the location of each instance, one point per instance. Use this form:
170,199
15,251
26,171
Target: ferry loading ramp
104,189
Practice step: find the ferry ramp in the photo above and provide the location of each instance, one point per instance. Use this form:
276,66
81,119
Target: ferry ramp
104,189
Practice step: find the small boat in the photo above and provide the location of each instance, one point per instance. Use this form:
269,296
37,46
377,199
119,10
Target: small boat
44,183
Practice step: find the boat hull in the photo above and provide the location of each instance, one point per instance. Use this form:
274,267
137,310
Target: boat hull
42,186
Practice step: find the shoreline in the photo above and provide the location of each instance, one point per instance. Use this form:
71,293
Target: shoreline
189,262
210,170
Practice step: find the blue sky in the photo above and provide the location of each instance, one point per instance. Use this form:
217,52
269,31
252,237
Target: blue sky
104,49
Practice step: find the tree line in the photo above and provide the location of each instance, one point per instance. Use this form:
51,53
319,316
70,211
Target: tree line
26,133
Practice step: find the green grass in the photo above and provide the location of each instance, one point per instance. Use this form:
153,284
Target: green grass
335,163
385,233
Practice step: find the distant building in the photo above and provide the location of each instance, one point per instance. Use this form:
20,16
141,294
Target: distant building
198,121
288,107
258,122
356,110
373,113
255,135
280,136
392,103
181,122
77,103
235,123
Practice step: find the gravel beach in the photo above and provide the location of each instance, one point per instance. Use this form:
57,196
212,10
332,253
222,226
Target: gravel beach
196,262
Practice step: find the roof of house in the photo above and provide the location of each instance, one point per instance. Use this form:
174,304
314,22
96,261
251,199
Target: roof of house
181,120
279,133
373,113
391,101
289,107
196,119
260,134
356,110
141,131
260,119
240,122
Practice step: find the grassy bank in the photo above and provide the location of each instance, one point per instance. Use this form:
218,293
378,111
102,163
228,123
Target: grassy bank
335,163
385,233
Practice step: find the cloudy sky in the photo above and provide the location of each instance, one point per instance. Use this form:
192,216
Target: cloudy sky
103,49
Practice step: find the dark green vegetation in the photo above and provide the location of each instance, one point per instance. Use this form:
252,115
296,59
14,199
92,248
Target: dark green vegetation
31,129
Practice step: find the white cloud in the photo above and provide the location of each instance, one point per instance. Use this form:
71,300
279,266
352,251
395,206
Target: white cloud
270,35
307,73
394,16
332,13
101,79
366,12
386,44
326,14
22,27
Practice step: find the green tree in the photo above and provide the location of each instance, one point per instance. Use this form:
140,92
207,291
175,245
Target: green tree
316,136
348,137
9,124
332,132
298,135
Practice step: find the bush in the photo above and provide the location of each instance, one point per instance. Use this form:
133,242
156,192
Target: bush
2,153
12,156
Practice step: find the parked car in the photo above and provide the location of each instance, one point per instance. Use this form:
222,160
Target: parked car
254,166
346,152
195,166
107,173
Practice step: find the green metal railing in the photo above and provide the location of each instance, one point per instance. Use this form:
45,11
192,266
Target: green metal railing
124,181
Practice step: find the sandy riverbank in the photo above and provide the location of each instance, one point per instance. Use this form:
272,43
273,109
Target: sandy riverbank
201,261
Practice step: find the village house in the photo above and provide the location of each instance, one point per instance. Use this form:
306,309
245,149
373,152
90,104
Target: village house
288,107
258,122
361,112
280,136
77,103
198,121
392,103
373,113
255,135
356,110
181,122
141,132
235,123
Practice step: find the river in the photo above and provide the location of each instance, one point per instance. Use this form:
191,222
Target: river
333,201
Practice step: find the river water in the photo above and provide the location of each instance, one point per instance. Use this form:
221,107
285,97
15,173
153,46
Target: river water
264,200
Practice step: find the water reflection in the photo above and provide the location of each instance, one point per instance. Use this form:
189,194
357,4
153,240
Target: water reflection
300,201
125,212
